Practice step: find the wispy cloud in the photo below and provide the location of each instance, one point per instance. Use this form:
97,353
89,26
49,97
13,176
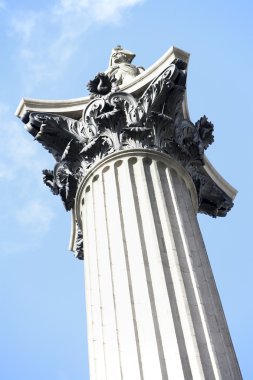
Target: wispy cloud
48,40
20,155
37,214
108,11
22,203
3,109
5,172
71,6
25,30
105,10
2,4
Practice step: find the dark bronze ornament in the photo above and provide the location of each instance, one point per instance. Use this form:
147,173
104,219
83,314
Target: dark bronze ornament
115,121
100,85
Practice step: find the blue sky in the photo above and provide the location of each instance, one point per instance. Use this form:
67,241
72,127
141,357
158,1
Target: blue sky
50,50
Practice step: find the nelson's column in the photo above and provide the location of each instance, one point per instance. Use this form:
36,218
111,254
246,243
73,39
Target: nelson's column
131,167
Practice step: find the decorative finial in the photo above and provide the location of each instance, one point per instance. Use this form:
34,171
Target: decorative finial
118,47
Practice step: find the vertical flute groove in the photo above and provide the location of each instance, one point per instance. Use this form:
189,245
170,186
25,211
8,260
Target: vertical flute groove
165,223
89,316
129,277
112,281
148,276
190,275
169,283
100,360
98,273
205,329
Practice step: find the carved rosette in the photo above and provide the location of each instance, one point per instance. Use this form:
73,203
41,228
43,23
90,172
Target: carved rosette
117,121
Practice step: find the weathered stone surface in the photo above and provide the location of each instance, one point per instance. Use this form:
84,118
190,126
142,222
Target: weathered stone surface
152,304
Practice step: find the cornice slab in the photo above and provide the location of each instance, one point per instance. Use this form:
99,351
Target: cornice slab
74,107
219,180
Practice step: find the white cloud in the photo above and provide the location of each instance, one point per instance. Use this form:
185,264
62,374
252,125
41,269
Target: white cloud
20,154
25,29
35,215
2,4
16,146
21,167
98,10
5,172
47,40
3,109
23,193
71,6
105,10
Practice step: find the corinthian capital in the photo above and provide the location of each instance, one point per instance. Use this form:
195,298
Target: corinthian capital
112,120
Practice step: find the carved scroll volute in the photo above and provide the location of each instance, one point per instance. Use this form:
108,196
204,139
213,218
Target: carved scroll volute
115,121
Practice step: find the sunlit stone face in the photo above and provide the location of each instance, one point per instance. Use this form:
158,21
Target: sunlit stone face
121,57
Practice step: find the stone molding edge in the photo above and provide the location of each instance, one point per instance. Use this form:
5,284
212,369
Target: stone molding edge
74,107
73,232
218,179
144,153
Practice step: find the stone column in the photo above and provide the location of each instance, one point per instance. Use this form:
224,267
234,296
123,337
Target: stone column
132,169
153,310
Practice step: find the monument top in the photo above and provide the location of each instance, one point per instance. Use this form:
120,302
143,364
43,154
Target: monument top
129,108
74,107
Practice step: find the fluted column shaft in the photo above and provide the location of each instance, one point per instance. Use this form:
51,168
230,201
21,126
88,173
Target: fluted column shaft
153,311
